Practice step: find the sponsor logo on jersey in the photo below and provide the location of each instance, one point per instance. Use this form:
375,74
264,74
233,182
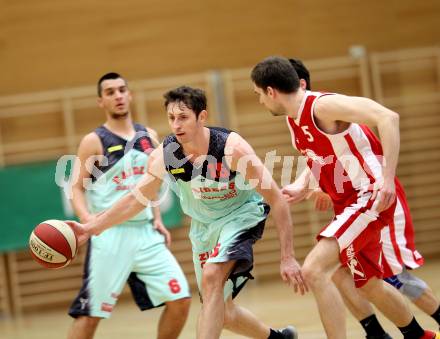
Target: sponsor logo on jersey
135,170
177,170
354,265
223,192
315,157
115,148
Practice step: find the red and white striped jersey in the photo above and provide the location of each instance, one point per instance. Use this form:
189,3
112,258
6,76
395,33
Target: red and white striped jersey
344,164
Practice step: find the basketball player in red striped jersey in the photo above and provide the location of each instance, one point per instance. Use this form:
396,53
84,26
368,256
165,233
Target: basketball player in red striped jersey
358,172
398,248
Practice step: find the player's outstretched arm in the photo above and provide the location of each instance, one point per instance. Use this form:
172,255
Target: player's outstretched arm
366,111
243,159
131,204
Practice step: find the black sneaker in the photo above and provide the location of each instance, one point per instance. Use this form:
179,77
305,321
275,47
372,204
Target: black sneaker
383,336
289,332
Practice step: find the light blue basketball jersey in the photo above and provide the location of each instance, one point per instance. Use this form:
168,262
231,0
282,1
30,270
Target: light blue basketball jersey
126,164
227,214
211,192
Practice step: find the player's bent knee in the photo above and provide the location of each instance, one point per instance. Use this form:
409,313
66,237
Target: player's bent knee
180,306
212,278
318,268
408,284
312,274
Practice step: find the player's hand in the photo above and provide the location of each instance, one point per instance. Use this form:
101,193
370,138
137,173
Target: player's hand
294,193
291,274
81,231
323,202
160,227
386,195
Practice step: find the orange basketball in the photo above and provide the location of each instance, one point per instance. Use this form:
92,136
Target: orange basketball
53,244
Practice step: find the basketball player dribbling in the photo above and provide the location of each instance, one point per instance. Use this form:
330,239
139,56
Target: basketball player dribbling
221,184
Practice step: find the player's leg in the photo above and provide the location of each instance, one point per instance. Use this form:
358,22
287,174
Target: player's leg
212,313
392,304
358,305
366,269
429,304
318,269
241,321
159,280
101,284
220,278
399,252
217,314
83,327
223,265
173,318
338,244
418,291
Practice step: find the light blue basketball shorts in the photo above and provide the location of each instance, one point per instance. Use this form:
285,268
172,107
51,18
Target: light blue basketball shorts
130,253
232,240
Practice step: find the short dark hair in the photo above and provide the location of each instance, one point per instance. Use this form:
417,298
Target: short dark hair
276,72
108,76
193,98
302,71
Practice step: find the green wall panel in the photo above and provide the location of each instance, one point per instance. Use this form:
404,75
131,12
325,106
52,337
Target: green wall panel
29,195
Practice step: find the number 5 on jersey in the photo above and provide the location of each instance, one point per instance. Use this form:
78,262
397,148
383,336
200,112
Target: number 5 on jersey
309,135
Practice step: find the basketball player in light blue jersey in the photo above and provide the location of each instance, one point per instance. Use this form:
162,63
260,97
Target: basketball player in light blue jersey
221,184
111,160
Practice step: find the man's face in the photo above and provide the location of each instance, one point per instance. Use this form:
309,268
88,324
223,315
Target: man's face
183,121
269,100
115,98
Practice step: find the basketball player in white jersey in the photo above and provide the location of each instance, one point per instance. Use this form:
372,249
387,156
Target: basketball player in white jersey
348,162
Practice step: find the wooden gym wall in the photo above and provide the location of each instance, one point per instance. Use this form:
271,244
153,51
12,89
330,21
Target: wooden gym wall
49,44
405,80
